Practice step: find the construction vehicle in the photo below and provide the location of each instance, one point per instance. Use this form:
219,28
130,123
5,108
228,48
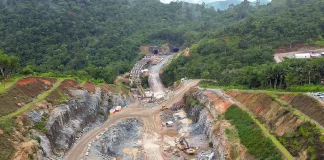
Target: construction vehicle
163,108
183,145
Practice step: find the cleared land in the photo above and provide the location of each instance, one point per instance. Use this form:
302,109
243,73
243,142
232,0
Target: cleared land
22,93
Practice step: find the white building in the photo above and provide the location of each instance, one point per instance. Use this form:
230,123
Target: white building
302,55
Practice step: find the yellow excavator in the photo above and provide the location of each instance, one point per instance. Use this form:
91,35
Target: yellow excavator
184,146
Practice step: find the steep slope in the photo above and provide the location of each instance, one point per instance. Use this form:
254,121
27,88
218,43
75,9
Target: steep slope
50,127
292,131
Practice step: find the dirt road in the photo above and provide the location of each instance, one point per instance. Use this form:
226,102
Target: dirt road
154,78
151,125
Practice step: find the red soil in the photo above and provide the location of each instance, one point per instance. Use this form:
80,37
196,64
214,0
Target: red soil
90,87
219,104
26,81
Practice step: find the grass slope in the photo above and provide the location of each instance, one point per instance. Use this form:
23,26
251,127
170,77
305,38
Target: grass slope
252,137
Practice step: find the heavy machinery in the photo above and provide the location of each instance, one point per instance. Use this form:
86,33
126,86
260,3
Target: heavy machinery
183,145
163,108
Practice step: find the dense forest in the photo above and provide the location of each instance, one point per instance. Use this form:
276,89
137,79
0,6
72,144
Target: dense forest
94,38
242,54
100,39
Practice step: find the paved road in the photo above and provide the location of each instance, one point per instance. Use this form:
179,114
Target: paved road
148,115
154,78
279,57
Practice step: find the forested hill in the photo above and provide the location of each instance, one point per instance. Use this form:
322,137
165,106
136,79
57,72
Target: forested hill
242,54
101,38
96,37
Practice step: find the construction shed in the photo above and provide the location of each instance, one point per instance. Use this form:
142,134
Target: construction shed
302,55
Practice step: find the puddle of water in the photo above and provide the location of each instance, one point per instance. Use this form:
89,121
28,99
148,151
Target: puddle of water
183,116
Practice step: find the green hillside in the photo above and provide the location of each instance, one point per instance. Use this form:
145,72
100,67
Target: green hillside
242,54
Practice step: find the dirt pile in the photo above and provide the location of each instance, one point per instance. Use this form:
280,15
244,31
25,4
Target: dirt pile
23,92
271,112
308,105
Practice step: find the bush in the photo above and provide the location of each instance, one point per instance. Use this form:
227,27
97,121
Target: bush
41,126
251,137
27,70
7,124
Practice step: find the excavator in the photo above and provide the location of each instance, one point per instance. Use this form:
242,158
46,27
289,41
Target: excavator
183,145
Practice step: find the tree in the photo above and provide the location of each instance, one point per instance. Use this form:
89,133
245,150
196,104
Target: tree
8,64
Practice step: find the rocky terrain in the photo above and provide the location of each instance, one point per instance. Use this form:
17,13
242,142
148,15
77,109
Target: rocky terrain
123,139
206,107
50,128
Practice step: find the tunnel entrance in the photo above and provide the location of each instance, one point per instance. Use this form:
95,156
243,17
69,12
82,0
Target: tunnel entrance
155,51
175,50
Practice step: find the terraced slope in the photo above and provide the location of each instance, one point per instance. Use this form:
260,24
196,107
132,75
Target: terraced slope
302,139
23,92
272,113
308,105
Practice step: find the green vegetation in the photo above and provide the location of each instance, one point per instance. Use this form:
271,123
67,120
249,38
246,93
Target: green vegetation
306,137
6,148
4,86
95,39
41,126
5,121
242,54
251,136
8,64
191,101
62,98
145,82
307,88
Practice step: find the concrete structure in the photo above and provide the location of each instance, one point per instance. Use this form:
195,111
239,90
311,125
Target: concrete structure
302,55
315,55
322,54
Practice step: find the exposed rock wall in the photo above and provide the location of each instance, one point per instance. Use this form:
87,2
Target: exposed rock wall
118,141
210,125
67,121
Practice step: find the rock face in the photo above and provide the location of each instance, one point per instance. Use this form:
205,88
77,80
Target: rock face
120,140
207,123
68,121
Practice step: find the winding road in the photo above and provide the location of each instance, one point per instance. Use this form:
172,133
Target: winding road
150,117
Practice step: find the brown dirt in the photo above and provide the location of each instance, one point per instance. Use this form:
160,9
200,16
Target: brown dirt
219,104
23,92
63,90
107,88
1,132
90,87
25,149
308,105
271,112
26,81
